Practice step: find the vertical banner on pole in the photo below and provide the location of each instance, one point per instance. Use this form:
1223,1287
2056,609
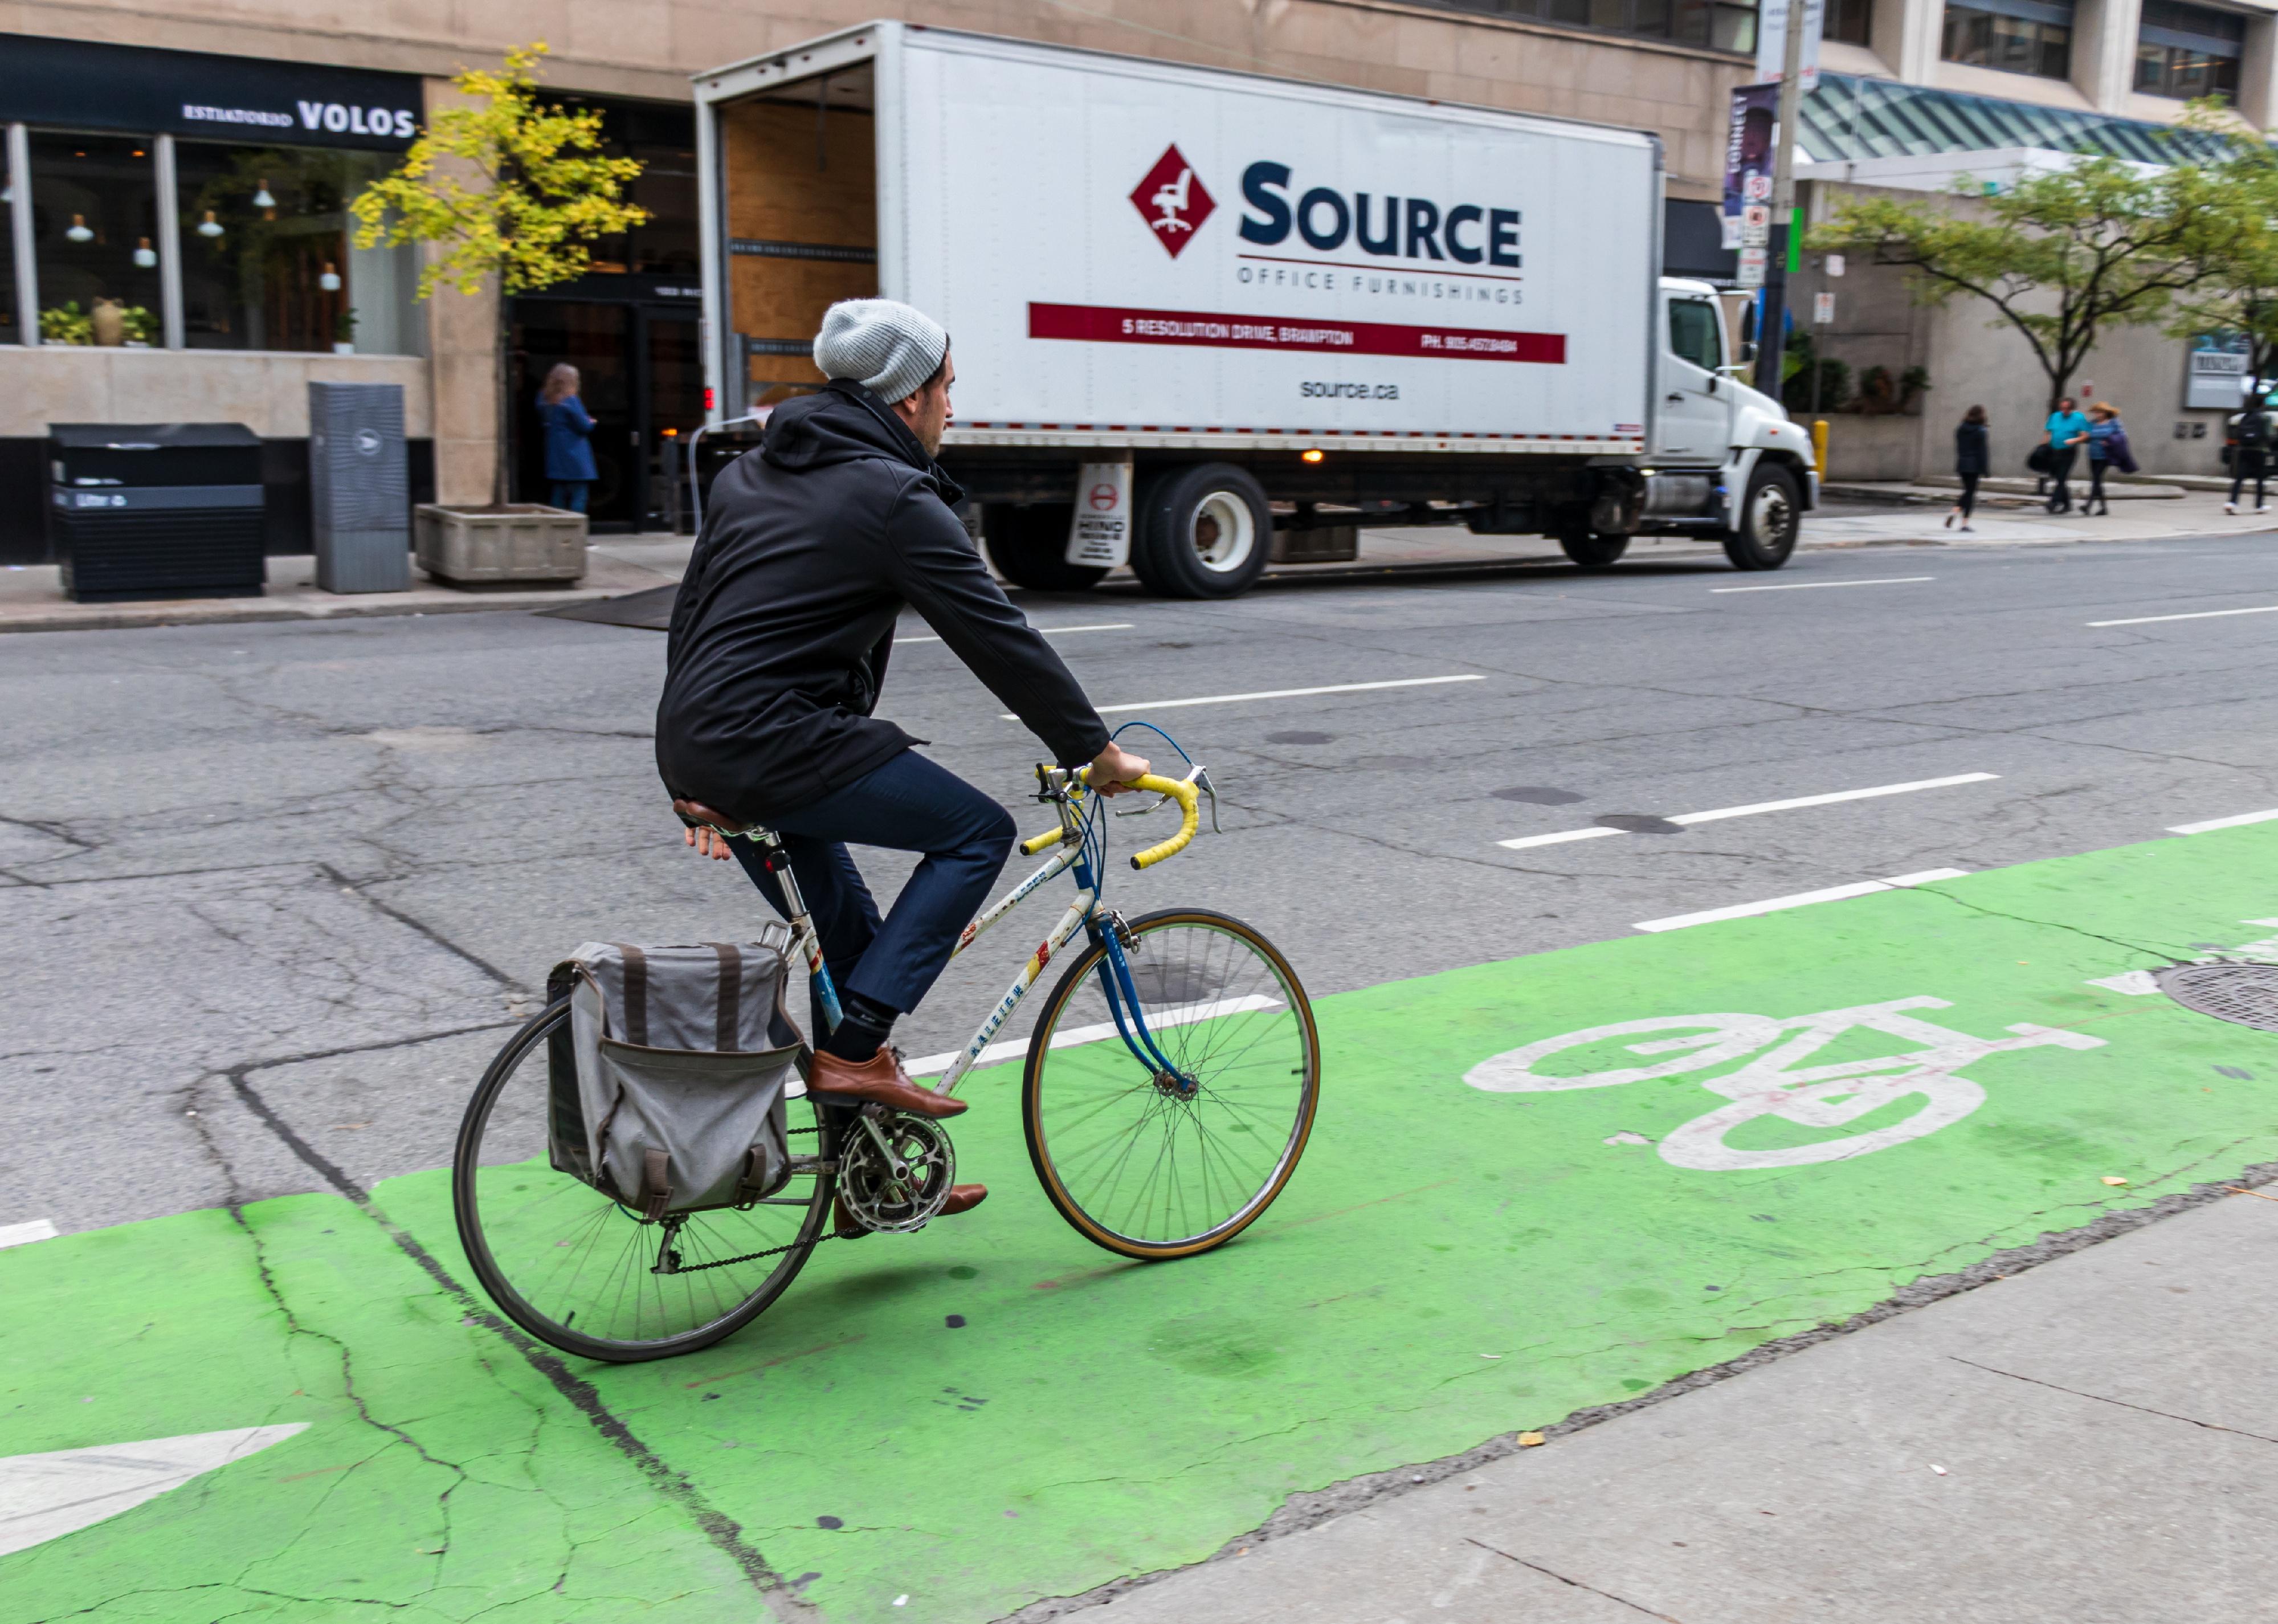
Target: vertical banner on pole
1771,42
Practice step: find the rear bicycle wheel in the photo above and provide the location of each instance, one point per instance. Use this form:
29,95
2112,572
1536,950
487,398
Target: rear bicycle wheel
587,1273
1153,1163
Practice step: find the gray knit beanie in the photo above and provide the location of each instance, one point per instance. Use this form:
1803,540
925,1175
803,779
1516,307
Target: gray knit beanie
886,346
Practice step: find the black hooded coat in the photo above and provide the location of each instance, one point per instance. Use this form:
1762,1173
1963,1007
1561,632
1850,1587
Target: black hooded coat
812,546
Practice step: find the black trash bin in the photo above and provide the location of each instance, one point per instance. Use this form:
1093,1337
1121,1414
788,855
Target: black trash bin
155,509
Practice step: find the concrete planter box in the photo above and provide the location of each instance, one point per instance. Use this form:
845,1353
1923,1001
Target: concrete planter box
476,546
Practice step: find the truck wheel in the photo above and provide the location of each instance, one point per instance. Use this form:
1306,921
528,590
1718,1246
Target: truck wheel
1205,531
1029,545
1593,551
1771,517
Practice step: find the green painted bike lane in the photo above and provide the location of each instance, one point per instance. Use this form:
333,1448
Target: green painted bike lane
992,1411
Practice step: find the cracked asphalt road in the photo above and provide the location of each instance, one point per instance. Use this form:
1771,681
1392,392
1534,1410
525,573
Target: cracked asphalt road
242,846
283,888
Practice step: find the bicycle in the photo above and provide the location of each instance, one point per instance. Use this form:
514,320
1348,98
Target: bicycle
1169,1087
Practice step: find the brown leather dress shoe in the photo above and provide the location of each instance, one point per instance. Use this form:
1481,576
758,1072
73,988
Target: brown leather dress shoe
881,1079
962,1198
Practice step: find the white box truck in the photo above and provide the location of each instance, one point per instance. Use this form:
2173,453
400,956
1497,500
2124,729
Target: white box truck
1202,319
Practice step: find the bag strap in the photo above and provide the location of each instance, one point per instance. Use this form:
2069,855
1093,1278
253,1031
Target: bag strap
656,1183
636,994
728,1028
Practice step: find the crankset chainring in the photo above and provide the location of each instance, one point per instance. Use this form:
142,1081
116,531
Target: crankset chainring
881,1197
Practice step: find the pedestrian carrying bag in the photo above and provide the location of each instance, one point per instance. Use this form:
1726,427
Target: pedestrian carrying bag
668,1088
2042,459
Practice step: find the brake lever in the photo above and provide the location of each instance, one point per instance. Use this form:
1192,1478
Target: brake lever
1201,779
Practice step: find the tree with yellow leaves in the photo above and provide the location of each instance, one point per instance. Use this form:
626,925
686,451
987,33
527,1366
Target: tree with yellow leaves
515,189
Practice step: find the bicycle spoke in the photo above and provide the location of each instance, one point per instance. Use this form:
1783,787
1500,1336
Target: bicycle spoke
1163,1161
580,1269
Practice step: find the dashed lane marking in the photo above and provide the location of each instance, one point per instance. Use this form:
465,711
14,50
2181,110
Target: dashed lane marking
1267,694
2239,821
1802,898
1719,814
2213,614
1887,580
25,1234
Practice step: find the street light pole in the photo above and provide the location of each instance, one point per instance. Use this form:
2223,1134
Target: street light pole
1771,348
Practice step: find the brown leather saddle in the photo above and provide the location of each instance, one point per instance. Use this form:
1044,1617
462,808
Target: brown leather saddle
696,814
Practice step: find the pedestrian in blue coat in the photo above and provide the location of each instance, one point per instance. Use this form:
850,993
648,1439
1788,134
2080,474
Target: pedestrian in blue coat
568,455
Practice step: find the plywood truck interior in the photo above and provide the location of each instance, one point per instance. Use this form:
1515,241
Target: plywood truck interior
802,190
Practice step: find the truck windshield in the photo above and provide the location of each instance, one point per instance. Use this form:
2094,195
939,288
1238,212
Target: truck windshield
1693,334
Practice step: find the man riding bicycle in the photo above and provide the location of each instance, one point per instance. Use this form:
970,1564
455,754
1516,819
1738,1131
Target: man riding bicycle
780,635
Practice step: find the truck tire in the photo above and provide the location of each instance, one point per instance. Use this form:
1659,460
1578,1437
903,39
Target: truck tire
1028,542
1593,551
1770,519
1205,531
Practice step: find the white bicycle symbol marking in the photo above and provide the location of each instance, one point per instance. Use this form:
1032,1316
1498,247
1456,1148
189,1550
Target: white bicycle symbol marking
1772,1084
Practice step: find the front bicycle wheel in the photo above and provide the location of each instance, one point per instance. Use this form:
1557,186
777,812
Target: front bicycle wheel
586,1273
1158,1162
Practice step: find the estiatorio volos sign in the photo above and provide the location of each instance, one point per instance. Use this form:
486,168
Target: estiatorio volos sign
1302,230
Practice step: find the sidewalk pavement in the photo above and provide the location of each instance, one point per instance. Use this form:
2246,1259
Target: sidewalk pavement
31,599
2090,1441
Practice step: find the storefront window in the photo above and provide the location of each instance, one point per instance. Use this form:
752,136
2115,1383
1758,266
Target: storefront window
2188,50
94,222
8,333
267,258
664,140
1719,25
2016,36
1851,21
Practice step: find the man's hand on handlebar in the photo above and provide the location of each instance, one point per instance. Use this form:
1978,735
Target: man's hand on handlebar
709,842
1113,770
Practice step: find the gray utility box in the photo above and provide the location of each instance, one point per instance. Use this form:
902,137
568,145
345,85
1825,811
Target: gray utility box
359,488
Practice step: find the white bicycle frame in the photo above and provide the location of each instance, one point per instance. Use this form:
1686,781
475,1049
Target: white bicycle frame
1079,910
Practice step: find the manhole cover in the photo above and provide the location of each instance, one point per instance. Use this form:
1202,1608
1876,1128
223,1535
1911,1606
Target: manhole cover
2246,994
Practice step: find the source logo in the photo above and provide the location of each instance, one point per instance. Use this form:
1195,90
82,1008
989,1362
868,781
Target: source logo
1172,200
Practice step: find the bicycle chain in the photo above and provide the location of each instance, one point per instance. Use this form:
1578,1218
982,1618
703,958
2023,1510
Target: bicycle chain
772,1252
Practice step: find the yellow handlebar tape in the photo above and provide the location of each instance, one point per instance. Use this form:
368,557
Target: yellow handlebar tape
1189,818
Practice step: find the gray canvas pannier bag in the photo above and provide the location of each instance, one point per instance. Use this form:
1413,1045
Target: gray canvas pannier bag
669,1086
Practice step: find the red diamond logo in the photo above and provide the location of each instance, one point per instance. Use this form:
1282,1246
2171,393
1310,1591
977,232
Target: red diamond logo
1172,202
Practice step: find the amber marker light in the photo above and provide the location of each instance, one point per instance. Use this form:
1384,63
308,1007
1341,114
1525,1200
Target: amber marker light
1313,457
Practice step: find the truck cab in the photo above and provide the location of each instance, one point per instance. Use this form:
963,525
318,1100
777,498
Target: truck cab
1723,457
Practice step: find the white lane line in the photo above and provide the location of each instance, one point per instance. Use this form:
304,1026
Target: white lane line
1828,800
1112,625
1802,898
1157,1021
1560,838
2135,984
1719,814
1887,580
1266,693
25,1234
2213,614
2241,821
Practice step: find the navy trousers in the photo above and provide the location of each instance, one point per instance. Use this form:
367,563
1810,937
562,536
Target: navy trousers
908,805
